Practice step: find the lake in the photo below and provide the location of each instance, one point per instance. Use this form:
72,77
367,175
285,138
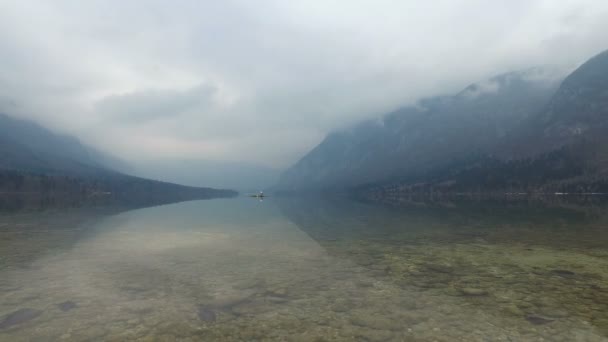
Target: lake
306,269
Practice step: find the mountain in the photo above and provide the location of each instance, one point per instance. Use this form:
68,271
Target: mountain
578,109
434,134
34,160
562,148
25,145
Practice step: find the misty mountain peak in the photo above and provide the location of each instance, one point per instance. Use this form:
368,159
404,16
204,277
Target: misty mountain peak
417,138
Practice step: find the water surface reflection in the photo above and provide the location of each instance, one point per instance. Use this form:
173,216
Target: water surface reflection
306,269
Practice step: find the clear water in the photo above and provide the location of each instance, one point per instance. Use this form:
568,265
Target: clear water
306,270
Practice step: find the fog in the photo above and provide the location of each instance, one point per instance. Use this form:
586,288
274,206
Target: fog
261,83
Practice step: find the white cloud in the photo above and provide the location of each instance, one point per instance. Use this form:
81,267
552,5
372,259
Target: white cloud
263,81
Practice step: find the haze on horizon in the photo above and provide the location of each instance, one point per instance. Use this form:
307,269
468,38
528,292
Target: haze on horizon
236,83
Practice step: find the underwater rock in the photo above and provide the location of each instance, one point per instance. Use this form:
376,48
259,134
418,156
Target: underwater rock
372,320
249,284
374,335
206,314
67,306
553,312
364,262
18,317
364,283
341,305
228,301
513,310
9,288
277,300
439,268
450,291
410,304
538,319
134,290
280,292
563,273
252,309
469,291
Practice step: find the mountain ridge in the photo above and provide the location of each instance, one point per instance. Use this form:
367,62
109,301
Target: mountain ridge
35,160
416,139
515,132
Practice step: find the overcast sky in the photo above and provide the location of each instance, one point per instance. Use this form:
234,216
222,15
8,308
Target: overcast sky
263,81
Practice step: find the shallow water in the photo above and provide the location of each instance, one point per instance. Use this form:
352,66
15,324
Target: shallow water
306,270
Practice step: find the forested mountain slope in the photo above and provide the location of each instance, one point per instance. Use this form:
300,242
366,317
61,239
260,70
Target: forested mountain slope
34,160
435,133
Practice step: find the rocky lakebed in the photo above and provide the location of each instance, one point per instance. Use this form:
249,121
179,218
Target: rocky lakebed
312,274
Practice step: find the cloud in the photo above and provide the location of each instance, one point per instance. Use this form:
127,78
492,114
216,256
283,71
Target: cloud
263,81
146,105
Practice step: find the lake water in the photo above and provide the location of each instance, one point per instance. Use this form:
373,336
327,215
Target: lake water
288,269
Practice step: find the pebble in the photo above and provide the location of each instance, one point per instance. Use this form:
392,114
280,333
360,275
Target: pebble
277,300
563,273
538,319
249,284
206,314
469,291
67,305
228,301
281,292
374,335
19,317
514,310
373,320
440,268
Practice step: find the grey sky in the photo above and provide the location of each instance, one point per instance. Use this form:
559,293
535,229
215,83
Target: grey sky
263,81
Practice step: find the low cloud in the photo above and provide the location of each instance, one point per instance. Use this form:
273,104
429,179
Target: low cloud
263,81
147,105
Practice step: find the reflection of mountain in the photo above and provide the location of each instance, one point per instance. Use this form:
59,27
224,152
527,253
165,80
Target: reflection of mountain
35,230
330,221
160,263
510,260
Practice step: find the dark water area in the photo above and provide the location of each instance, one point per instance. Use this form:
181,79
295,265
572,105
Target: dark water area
305,269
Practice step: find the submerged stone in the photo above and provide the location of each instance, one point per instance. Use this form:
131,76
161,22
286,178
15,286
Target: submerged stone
206,314
514,310
439,268
553,312
67,305
228,301
364,283
374,321
280,292
469,291
374,335
341,305
538,319
249,284
563,273
19,317
277,300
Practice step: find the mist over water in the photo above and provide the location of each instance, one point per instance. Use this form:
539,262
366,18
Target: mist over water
305,269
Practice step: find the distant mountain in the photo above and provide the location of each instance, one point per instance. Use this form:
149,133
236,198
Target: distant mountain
563,148
242,176
438,132
25,145
579,108
34,160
